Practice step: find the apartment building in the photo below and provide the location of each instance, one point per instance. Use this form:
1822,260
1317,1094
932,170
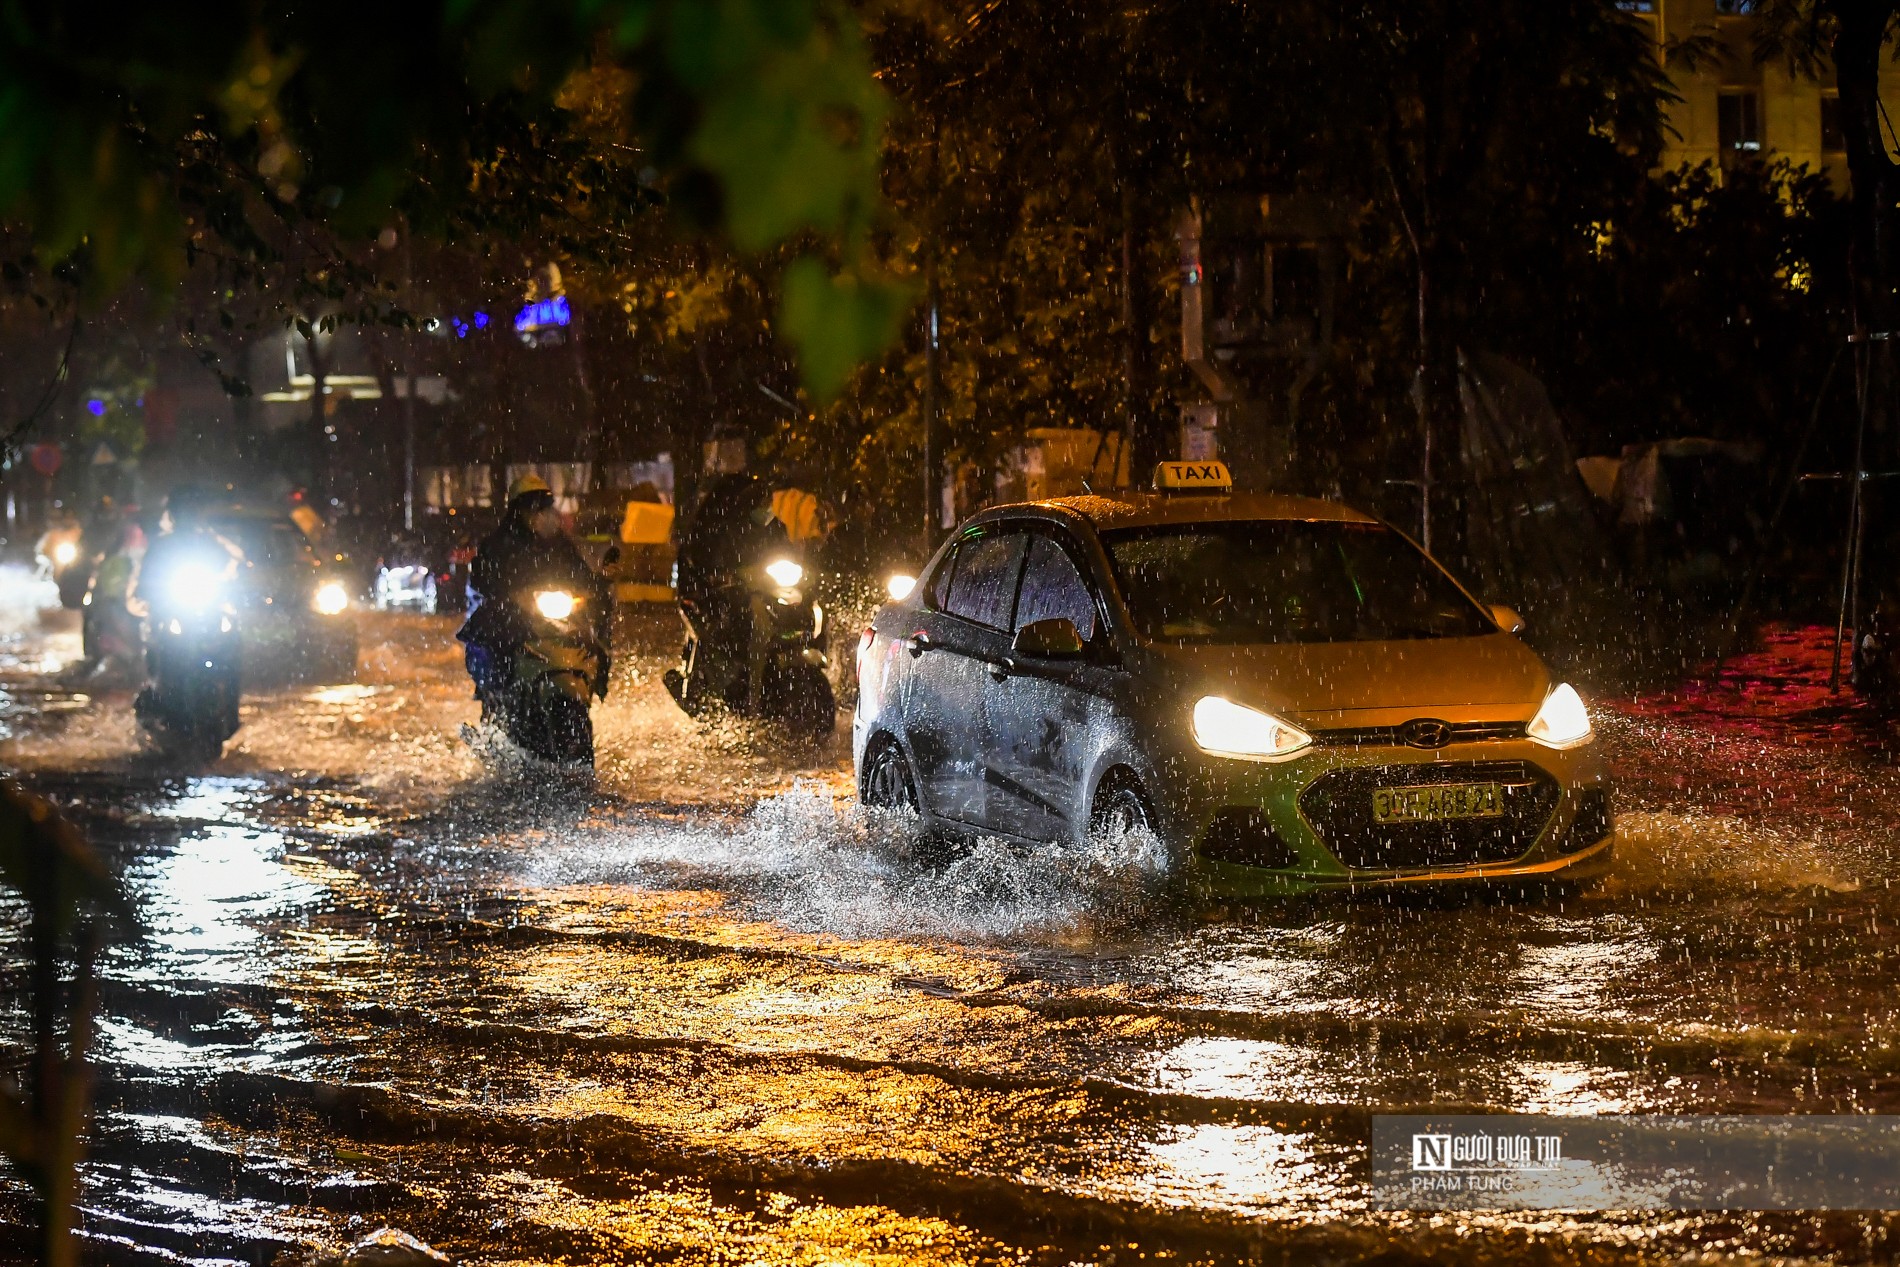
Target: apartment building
1734,108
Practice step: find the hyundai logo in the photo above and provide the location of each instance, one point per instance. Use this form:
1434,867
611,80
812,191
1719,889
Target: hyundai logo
1426,732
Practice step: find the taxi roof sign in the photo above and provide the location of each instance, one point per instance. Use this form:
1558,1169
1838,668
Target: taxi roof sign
1193,477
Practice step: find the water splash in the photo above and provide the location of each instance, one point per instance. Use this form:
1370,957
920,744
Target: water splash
813,865
1711,854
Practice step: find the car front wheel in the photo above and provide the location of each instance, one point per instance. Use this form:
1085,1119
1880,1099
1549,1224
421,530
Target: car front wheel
887,780
1119,810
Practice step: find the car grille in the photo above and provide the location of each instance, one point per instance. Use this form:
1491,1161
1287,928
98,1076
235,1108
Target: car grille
1394,736
1339,806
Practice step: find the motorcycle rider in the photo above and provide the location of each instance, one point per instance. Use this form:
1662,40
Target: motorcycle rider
112,631
528,552
732,530
188,562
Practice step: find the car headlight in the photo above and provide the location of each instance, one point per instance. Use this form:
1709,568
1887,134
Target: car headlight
330,599
1562,722
554,604
899,587
65,552
784,573
1233,730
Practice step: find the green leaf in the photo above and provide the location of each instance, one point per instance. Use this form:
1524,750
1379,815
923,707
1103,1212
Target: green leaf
837,322
793,131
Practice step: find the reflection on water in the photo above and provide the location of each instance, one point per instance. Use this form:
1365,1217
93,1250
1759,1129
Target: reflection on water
1581,974
202,903
1567,1088
1251,1169
1244,1069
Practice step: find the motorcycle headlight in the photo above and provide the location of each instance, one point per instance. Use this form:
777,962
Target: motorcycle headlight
65,552
1563,721
899,587
330,599
193,586
554,604
784,573
1228,729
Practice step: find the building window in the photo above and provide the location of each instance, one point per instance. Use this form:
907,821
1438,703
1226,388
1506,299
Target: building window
1738,125
1833,140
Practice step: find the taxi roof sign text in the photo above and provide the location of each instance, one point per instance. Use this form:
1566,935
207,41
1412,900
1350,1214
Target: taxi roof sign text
1193,477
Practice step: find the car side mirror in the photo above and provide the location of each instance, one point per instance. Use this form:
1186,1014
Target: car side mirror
1507,620
1056,638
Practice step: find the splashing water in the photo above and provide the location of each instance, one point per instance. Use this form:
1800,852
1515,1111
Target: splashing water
808,863
1687,852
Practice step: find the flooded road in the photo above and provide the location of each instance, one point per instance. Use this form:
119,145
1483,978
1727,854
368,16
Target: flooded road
709,1012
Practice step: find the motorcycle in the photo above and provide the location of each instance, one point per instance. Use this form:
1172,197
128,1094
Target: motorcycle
784,655
551,680
190,706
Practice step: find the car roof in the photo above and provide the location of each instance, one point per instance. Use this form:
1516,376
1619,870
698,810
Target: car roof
1142,510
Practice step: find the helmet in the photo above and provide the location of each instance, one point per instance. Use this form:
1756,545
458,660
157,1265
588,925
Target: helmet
529,483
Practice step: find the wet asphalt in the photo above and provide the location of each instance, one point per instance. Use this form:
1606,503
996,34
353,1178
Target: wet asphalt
706,1011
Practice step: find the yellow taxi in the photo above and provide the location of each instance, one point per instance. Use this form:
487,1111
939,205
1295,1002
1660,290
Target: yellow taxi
1289,692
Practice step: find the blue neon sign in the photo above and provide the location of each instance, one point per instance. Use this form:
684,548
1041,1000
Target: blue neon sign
542,314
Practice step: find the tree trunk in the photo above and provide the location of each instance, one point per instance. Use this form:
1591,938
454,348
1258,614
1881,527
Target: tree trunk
1144,436
320,453
1858,39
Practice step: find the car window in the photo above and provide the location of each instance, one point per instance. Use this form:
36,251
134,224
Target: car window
983,586
1286,581
937,588
1053,587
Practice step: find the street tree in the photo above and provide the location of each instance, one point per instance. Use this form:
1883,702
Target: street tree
126,138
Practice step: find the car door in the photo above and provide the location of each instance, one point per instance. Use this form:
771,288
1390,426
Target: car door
1041,715
961,633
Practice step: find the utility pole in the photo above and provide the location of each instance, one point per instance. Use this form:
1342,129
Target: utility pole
1848,618
933,439
933,311
409,389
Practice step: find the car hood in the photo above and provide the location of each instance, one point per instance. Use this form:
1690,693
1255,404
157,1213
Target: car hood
1494,677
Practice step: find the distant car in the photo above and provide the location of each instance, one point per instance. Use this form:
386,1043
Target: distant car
1288,692
405,575
427,570
294,605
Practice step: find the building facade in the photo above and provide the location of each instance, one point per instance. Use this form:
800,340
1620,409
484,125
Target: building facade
1735,108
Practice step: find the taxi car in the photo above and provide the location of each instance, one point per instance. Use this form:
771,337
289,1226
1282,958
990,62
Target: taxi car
1289,692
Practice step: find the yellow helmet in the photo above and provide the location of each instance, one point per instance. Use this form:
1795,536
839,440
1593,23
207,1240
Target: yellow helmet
529,483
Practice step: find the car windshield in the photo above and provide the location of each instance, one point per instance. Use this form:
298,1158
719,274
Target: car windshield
1244,581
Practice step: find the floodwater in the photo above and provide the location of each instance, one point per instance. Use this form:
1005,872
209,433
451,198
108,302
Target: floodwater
709,1012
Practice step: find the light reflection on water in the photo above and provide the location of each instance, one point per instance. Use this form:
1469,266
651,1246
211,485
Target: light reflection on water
201,901
1242,1069
1580,975
1565,1088
1249,1169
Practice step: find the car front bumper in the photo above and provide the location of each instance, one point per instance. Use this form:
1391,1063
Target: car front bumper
1257,829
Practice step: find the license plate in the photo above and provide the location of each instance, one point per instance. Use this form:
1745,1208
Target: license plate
1437,803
